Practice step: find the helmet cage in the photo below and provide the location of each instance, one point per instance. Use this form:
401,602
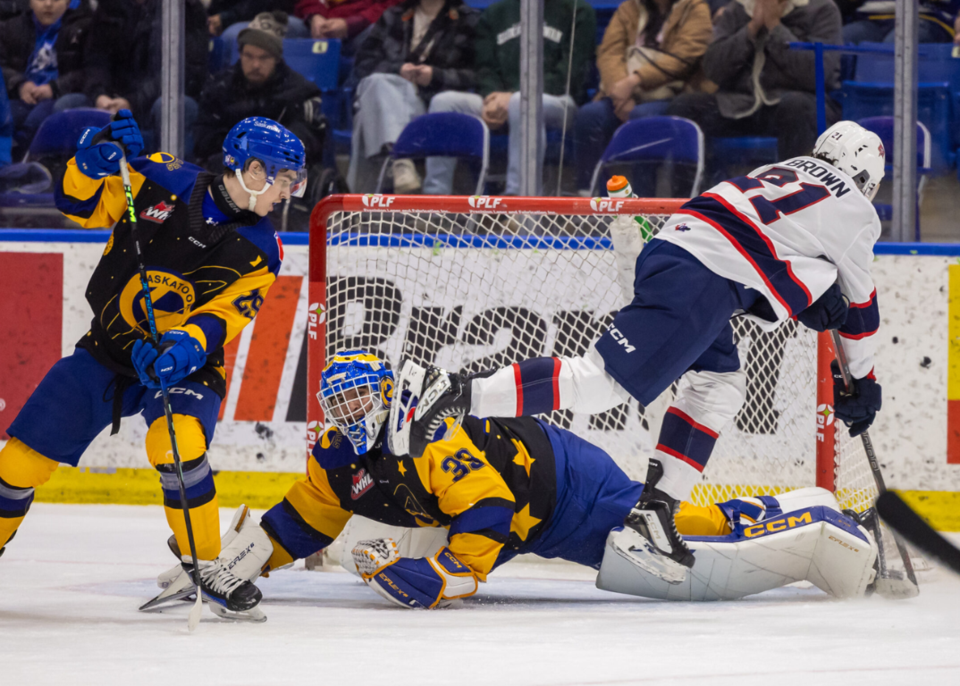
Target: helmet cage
355,397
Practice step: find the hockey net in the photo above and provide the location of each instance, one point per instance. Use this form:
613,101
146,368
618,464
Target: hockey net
482,282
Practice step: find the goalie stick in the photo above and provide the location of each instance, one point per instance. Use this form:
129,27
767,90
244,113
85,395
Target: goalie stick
887,584
901,518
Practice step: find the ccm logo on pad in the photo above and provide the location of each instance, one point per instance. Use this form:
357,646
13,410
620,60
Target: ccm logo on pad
621,339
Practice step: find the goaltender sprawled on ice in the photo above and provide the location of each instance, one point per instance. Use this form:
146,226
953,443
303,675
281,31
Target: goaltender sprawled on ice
498,488
210,255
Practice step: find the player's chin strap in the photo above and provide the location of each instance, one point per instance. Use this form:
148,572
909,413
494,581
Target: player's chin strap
252,202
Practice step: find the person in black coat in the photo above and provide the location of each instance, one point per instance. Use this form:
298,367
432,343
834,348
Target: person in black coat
416,50
260,84
41,54
123,61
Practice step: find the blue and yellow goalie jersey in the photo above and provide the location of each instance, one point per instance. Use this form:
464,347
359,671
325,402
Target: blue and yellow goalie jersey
207,278
493,485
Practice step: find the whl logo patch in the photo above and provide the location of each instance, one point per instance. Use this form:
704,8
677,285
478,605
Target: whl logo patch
362,482
157,214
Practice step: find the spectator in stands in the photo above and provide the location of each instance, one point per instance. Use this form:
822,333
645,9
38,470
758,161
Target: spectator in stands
765,88
874,22
6,125
122,62
260,84
41,54
497,101
230,17
348,20
650,51
416,50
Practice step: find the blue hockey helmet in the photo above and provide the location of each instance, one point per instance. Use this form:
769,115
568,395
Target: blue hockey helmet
356,389
259,138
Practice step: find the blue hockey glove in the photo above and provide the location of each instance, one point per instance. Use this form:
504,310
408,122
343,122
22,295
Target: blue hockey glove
422,582
859,409
180,355
829,311
97,157
143,357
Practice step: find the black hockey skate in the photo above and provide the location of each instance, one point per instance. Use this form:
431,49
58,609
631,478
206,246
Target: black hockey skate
223,588
658,549
424,399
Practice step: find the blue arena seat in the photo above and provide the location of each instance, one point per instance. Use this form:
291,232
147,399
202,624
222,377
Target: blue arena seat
444,134
655,139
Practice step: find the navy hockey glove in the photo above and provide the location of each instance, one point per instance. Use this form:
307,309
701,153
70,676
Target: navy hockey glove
143,357
97,157
180,355
859,409
829,311
413,582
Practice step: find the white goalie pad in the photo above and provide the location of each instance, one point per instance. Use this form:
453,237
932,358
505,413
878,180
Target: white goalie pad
815,544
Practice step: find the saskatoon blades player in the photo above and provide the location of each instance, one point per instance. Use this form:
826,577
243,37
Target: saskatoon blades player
793,239
211,256
497,488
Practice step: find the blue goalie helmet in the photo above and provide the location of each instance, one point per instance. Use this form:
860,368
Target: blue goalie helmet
259,138
355,393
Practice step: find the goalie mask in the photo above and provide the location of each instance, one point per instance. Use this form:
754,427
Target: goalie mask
355,393
856,152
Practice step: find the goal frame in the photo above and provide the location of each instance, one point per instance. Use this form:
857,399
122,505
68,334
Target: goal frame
826,467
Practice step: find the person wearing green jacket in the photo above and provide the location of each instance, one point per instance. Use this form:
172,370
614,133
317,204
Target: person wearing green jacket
497,100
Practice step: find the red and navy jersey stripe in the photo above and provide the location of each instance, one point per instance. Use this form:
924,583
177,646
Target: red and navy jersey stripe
863,319
686,439
755,246
538,385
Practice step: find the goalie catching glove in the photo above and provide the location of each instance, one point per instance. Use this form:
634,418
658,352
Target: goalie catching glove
413,582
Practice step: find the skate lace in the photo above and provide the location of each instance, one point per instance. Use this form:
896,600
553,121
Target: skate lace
219,579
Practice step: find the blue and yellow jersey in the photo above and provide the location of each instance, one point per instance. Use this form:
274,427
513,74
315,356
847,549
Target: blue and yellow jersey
207,278
493,485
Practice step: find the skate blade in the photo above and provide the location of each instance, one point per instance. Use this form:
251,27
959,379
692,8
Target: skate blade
252,615
168,597
654,563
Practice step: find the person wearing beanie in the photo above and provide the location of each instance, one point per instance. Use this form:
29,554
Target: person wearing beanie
260,84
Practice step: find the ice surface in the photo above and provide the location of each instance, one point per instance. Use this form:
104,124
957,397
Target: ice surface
71,582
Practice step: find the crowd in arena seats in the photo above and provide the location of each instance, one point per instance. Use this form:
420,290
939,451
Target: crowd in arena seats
725,65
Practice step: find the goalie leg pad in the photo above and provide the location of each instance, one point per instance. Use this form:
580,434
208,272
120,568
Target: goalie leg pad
816,544
413,582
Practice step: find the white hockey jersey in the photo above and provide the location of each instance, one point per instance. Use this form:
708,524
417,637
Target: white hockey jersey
790,230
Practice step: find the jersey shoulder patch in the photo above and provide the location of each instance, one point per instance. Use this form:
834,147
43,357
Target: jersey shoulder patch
333,450
267,240
168,171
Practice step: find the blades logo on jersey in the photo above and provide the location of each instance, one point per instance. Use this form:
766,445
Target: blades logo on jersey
362,482
159,213
173,299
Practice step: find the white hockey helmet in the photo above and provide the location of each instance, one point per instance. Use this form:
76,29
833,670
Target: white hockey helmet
856,152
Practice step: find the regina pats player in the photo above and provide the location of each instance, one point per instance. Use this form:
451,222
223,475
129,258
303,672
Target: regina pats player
497,488
211,256
792,239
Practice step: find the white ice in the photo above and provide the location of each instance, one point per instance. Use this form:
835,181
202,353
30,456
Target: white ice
71,582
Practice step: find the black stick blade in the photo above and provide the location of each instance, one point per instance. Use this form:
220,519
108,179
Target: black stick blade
898,515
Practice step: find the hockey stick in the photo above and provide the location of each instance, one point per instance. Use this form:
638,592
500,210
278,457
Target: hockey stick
881,487
898,515
197,609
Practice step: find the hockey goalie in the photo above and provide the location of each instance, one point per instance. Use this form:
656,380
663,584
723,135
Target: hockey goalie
490,489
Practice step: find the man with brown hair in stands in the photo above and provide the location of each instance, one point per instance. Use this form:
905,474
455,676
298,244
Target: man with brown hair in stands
260,84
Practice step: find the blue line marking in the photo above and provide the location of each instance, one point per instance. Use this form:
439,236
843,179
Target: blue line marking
448,241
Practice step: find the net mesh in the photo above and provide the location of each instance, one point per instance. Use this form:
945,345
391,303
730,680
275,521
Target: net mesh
471,291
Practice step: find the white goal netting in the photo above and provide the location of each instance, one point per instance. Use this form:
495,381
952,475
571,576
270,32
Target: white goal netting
477,283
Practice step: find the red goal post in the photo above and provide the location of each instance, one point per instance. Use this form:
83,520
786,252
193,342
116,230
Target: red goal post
378,241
